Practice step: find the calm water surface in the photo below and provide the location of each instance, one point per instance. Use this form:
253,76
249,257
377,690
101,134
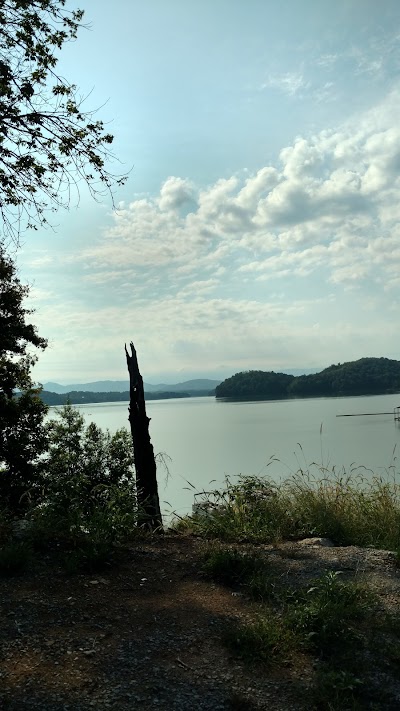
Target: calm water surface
208,440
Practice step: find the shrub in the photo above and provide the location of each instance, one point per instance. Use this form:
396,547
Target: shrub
88,499
5,526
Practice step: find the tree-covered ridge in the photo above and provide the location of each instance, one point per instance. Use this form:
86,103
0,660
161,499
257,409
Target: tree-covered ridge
361,377
255,384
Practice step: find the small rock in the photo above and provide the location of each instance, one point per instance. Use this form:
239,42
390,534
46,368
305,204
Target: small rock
325,542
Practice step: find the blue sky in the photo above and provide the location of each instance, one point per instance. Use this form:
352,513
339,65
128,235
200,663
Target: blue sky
259,226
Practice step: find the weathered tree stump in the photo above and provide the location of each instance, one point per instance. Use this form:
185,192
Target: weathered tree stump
143,452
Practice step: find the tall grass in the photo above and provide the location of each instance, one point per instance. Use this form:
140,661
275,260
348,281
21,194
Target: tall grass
351,509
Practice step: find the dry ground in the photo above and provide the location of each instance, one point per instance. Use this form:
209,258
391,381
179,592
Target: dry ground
146,633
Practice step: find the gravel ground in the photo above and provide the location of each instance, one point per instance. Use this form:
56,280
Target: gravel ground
147,632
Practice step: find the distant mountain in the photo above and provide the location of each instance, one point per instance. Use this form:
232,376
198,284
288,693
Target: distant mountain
190,386
99,386
118,386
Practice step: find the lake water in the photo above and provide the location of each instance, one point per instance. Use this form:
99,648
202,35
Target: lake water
207,439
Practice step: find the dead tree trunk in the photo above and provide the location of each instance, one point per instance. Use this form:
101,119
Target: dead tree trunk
143,452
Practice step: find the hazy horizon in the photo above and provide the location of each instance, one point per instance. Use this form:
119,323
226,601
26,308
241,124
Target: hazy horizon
168,377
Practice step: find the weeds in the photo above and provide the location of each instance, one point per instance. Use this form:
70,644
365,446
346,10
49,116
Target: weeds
337,690
349,509
246,570
325,614
324,620
91,556
268,640
230,567
322,616
330,621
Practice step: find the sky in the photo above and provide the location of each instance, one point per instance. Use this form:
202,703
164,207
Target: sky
259,227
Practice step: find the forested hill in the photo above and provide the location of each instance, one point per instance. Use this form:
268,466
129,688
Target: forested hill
367,376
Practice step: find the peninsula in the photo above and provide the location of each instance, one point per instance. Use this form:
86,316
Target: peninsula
367,376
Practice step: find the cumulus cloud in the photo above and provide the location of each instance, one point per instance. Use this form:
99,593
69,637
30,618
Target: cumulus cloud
175,193
330,199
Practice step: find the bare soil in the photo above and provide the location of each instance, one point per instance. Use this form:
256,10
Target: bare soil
147,632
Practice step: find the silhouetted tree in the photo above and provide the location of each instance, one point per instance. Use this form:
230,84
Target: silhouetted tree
48,140
143,452
22,433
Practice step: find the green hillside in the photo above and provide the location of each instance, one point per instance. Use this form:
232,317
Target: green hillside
367,376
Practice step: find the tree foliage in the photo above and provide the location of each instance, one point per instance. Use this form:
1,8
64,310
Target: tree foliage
48,141
366,376
255,385
88,483
86,453
22,432
361,377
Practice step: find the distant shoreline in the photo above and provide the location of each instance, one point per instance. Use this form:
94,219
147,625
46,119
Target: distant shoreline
86,397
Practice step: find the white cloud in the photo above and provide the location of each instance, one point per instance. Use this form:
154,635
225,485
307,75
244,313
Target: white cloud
175,193
328,201
290,83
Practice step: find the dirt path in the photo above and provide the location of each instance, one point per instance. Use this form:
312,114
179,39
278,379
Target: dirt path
144,635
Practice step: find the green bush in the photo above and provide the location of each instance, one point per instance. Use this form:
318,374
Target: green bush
88,500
